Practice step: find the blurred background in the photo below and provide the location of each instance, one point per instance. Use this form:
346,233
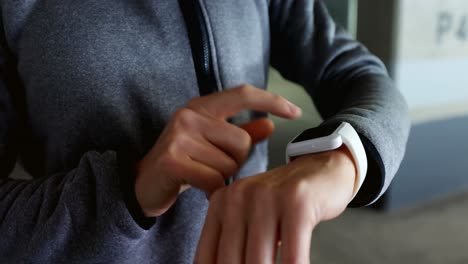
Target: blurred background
423,218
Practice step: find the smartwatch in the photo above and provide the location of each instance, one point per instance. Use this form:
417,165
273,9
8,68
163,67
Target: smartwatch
330,137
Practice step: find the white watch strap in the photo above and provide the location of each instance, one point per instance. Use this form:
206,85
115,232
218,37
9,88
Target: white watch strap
351,139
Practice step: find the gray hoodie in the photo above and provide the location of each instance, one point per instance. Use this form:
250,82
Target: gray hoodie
87,86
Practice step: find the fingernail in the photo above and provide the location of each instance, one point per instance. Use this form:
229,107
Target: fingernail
294,109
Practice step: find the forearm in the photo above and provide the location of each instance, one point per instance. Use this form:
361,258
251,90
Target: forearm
378,112
346,82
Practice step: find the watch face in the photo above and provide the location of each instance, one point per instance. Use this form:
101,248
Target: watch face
317,132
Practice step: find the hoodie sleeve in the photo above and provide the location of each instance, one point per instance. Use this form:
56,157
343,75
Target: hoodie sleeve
66,216
346,82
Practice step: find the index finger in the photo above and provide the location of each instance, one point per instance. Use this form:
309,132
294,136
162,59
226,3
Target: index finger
230,102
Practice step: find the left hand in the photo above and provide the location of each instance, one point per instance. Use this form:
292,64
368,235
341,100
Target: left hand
248,219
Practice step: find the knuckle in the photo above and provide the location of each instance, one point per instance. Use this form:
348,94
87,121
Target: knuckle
264,195
172,150
240,149
277,98
244,86
242,156
217,198
237,187
217,179
213,181
236,194
296,193
168,160
174,142
194,102
185,117
244,142
231,167
297,188
181,141
244,91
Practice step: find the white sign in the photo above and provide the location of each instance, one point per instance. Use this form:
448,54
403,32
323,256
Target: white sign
433,29
431,65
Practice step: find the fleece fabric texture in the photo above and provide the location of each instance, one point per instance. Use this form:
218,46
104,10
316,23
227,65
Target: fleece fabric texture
87,86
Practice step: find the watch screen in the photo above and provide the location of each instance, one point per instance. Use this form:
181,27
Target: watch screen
317,132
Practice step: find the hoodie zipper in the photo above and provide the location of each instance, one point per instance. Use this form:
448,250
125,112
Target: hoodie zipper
199,38
197,30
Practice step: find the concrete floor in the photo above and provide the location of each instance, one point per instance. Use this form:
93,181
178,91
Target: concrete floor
432,234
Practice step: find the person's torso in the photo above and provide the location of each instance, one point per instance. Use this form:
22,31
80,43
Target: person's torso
106,75
98,74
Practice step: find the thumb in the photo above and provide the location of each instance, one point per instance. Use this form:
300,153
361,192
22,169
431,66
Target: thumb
259,129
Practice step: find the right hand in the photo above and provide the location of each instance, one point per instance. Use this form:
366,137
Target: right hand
199,148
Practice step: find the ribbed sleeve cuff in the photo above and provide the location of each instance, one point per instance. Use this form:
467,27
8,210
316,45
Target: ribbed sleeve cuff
374,182
127,171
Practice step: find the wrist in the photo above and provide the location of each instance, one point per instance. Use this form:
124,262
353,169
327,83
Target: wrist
154,194
127,173
349,170
337,168
328,137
